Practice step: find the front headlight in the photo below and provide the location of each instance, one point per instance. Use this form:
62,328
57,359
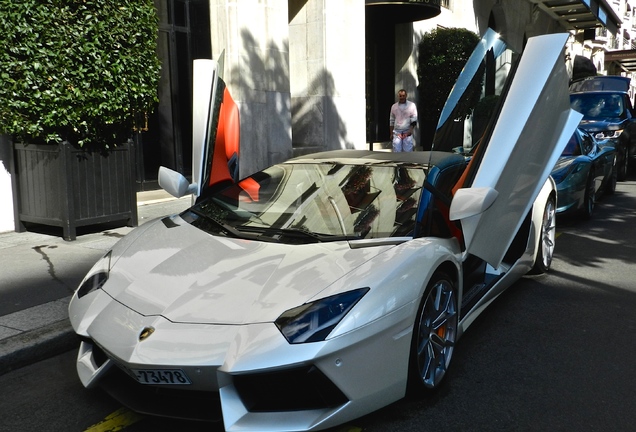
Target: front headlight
610,134
312,322
96,277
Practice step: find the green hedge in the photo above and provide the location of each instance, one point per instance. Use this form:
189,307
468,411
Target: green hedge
77,70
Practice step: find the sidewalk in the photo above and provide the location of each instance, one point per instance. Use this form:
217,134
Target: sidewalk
36,331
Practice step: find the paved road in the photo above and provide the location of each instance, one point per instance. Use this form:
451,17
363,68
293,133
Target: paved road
554,352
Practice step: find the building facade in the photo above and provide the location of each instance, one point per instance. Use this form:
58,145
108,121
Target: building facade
313,75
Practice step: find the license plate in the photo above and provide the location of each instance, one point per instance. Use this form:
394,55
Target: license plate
160,376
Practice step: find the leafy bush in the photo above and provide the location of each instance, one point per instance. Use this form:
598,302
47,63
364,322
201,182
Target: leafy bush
77,70
442,53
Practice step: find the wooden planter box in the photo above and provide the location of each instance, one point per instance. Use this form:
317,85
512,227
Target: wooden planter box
67,187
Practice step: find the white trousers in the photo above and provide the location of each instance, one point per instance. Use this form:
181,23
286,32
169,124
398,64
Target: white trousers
402,143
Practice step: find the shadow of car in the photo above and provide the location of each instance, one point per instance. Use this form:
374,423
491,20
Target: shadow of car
586,169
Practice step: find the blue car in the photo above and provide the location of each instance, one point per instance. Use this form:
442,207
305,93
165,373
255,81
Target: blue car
585,170
608,115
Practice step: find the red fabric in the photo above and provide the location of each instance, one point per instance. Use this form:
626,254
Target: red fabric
227,140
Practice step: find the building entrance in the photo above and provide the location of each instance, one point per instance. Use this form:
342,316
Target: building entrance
165,137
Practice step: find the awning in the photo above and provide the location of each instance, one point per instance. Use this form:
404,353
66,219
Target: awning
581,14
401,11
625,59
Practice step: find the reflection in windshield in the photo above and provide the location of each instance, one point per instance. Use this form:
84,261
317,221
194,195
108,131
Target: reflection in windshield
597,106
357,201
475,95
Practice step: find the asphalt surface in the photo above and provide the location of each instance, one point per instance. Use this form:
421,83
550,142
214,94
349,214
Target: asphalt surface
39,272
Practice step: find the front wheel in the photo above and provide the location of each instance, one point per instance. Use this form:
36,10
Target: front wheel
547,238
434,334
589,200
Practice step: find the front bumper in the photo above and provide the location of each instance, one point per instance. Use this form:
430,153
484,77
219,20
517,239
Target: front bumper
248,375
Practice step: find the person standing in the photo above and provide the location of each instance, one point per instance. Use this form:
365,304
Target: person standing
402,121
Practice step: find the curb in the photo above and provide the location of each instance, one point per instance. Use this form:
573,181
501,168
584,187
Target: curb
36,345
36,333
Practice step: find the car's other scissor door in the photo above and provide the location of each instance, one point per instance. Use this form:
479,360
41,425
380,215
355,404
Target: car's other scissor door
518,151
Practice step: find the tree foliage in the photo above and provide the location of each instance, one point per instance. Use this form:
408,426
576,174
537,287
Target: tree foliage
442,53
77,70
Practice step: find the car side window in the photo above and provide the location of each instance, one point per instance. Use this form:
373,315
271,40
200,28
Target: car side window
436,221
572,148
629,109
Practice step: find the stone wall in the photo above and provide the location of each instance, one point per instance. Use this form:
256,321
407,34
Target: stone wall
255,38
327,75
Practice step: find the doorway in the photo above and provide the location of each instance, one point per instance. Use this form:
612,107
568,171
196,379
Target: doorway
165,137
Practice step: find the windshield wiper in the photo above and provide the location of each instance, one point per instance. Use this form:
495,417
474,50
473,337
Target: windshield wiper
265,233
228,228
296,232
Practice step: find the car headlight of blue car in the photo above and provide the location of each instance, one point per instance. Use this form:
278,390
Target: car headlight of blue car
608,134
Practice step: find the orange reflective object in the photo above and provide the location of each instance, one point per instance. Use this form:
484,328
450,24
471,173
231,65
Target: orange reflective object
250,186
227,140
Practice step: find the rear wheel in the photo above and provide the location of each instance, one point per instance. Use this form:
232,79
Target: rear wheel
434,334
547,239
589,201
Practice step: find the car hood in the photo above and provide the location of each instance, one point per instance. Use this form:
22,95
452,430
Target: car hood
188,276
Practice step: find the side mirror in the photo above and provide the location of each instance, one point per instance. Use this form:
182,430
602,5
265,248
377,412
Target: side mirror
175,183
471,202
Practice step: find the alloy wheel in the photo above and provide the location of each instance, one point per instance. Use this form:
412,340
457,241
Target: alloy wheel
548,235
436,329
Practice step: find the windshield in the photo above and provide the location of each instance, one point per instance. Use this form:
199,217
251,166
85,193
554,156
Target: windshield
475,96
595,106
307,202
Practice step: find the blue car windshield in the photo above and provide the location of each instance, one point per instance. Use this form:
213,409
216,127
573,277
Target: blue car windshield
598,106
327,200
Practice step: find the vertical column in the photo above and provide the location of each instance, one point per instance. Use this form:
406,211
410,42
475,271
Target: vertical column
255,38
405,60
327,74
406,67
6,191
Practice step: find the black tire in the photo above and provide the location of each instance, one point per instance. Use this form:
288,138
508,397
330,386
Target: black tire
434,334
623,167
610,187
589,200
547,239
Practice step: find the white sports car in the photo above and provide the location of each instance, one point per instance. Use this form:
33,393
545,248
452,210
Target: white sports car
320,289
